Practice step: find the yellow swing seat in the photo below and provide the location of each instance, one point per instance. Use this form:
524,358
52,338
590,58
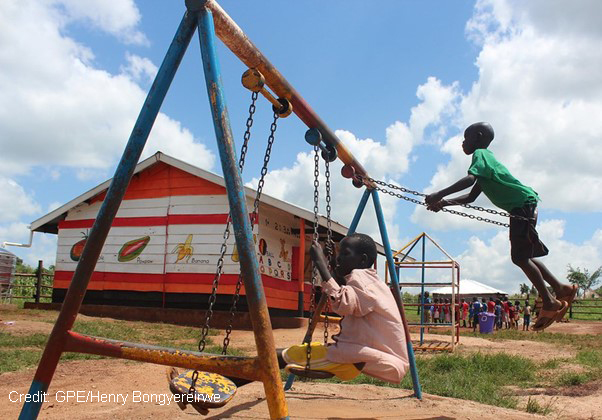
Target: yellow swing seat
212,390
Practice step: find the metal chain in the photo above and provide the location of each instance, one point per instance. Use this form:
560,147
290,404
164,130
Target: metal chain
458,213
254,220
224,247
247,135
316,236
329,243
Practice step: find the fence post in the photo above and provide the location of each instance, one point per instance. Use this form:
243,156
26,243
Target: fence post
39,281
571,312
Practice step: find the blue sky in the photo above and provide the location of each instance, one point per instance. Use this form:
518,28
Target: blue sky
397,80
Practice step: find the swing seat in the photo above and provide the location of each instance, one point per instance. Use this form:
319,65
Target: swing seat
299,370
212,390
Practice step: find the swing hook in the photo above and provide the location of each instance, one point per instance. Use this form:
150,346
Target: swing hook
314,138
253,80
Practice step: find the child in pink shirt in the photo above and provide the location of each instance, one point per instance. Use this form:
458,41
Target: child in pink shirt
371,338
371,331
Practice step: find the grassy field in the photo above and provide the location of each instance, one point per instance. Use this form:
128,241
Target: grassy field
19,352
488,378
579,342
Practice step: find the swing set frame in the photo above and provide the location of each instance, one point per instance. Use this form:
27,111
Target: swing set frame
211,20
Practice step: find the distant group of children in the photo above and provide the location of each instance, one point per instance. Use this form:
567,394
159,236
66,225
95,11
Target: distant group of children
439,312
507,314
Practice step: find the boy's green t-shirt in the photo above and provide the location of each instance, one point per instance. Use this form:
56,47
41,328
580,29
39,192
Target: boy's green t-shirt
505,191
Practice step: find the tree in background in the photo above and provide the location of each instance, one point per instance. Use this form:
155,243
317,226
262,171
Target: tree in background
533,291
524,290
582,279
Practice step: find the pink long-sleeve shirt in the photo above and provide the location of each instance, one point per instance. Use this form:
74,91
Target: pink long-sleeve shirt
371,330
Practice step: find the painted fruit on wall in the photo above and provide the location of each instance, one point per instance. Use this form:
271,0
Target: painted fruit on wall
130,250
78,248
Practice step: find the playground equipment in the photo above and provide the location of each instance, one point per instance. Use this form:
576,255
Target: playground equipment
210,19
423,264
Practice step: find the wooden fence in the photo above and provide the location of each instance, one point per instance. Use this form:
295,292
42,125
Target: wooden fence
586,309
29,286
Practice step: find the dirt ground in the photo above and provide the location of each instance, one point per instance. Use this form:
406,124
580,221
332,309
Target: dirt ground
306,400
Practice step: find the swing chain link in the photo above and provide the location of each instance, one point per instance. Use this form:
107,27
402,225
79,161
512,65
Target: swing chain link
457,213
224,246
329,244
213,296
254,220
247,135
314,274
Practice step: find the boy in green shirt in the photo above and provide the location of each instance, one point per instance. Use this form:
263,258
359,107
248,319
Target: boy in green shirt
489,176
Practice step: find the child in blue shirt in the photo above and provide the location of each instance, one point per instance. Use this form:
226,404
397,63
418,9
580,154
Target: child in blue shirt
489,176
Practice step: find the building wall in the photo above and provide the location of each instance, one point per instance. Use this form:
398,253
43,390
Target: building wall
167,236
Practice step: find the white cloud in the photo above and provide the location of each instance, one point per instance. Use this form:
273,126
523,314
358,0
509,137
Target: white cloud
119,18
15,202
437,101
68,112
489,261
140,69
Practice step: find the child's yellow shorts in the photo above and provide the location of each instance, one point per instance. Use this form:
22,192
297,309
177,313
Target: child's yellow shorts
296,357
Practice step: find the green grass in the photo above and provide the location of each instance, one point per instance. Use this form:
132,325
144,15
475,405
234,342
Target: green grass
581,341
591,358
37,340
19,352
573,378
477,377
18,359
551,364
534,407
158,334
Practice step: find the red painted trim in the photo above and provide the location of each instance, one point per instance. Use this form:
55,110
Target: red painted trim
174,219
197,219
182,278
84,344
117,222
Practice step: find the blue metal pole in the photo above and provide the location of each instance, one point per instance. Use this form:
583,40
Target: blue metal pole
106,214
358,213
396,292
422,300
249,267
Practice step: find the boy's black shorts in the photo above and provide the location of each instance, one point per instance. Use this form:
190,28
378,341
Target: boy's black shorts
524,240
